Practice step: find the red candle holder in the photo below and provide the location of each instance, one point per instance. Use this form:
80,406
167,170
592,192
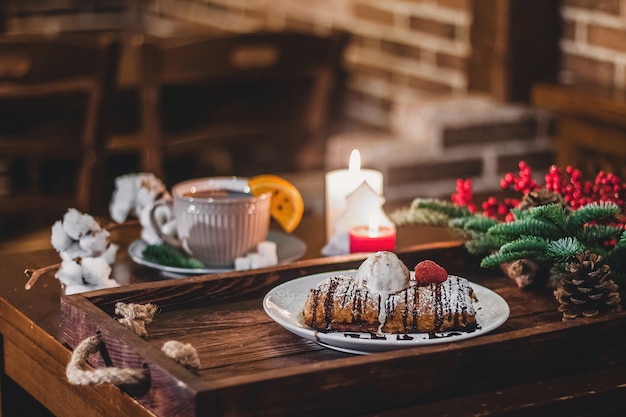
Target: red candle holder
367,239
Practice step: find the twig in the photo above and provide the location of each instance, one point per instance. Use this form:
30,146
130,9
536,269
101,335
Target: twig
34,274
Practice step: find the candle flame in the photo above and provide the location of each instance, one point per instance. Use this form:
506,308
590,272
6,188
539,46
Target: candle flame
354,165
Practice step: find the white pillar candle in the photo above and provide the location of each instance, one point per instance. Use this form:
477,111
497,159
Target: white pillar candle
341,182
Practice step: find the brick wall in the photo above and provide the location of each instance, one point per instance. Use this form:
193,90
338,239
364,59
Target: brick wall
449,138
405,56
399,48
593,43
407,66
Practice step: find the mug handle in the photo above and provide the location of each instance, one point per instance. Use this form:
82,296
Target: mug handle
170,240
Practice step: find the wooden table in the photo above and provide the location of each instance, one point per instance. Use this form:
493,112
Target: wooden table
533,365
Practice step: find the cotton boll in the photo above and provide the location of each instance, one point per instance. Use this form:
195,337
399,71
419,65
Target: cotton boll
73,252
123,200
95,270
149,236
119,211
59,238
95,243
152,183
145,199
150,190
107,283
77,289
110,254
77,224
70,273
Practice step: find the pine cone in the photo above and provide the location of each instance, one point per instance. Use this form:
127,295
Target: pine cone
585,289
541,197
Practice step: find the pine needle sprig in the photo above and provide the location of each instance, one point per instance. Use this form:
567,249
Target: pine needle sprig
590,212
616,257
596,234
473,224
448,208
501,257
526,243
552,213
412,215
527,226
563,251
481,245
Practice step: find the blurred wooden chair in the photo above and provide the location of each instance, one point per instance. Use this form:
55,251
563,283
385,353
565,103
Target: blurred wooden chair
252,98
54,91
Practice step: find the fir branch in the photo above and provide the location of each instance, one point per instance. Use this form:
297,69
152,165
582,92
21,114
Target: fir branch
527,226
599,233
552,213
409,216
481,245
616,256
519,214
475,224
622,240
447,208
505,257
589,212
526,243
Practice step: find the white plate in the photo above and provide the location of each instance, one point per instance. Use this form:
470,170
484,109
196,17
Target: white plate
285,302
289,248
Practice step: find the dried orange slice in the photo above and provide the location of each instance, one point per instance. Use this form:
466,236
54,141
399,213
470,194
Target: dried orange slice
287,205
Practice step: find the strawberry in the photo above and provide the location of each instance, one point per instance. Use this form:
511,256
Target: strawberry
429,272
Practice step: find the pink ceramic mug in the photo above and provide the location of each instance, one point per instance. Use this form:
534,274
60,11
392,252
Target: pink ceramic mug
217,219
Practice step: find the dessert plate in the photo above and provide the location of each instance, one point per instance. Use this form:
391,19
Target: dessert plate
285,302
289,248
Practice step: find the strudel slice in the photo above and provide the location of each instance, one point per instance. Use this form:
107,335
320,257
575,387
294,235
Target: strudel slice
342,303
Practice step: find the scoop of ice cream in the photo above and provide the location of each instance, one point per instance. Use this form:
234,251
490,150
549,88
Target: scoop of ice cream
383,273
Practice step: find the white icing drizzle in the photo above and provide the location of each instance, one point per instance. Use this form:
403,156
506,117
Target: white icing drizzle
442,301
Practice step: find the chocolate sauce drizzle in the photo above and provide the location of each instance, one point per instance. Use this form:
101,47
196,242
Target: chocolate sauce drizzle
448,303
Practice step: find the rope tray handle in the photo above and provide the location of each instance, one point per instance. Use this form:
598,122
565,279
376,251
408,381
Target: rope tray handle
78,375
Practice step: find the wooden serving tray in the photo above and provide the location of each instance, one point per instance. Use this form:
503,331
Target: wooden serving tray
251,366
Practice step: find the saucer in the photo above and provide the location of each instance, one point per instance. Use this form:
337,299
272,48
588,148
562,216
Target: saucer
289,248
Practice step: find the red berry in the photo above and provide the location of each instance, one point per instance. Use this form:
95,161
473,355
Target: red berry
429,272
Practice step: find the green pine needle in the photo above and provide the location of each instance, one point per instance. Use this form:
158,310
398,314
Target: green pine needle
527,226
505,257
549,234
170,256
481,245
588,213
597,234
525,243
563,251
477,224
552,213
447,208
411,216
